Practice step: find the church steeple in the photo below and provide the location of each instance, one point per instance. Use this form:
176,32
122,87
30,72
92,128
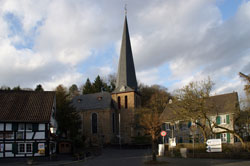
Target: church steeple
126,78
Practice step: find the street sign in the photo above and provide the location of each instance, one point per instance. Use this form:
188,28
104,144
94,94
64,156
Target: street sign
214,150
163,133
172,142
214,145
213,142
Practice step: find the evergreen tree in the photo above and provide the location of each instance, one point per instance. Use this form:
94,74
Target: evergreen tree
73,91
87,87
98,85
17,88
67,118
39,88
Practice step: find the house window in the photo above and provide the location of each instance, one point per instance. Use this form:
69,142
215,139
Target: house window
119,102
21,126
126,102
21,148
29,127
223,119
25,148
173,126
20,135
94,123
224,137
167,126
29,148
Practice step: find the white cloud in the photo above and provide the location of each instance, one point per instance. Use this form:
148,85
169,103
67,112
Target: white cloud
148,77
189,36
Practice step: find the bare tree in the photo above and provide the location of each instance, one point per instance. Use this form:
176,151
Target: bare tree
149,114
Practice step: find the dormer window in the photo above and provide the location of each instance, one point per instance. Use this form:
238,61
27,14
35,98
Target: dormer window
99,98
79,100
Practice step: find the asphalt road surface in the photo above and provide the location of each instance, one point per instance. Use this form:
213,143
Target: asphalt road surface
130,157
134,157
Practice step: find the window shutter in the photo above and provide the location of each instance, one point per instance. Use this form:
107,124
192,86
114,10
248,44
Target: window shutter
218,119
228,120
189,124
217,136
35,147
14,148
35,127
228,137
14,126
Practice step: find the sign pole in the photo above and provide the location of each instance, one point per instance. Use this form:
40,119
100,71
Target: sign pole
120,131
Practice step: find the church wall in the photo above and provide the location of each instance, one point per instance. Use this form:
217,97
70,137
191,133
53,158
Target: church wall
104,133
126,114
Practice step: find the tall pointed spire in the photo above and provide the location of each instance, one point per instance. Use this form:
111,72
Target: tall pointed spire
126,78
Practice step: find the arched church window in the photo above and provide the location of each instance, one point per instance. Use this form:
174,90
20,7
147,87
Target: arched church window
126,102
119,102
94,123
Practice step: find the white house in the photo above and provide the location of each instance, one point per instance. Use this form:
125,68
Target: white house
222,113
27,123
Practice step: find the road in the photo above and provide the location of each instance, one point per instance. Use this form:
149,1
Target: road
132,157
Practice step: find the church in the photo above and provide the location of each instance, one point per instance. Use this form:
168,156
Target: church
110,117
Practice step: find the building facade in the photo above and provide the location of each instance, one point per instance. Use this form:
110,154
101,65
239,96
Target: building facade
27,123
222,113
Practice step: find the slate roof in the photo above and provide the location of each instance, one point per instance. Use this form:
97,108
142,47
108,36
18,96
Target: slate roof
101,100
126,76
26,106
222,104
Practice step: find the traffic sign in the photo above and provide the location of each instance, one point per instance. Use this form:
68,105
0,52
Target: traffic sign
163,133
214,145
213,142
214,150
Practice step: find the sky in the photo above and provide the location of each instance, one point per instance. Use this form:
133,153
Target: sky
174,42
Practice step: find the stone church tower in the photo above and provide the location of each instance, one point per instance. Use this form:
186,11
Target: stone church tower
126,97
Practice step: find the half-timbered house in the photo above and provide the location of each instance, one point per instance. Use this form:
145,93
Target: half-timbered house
27,123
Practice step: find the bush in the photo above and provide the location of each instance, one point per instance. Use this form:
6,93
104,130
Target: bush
198,147
141,140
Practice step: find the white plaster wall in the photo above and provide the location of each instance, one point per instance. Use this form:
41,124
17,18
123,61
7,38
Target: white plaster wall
8,126
1,127
41,127
8,146
29,135
9,154
40,135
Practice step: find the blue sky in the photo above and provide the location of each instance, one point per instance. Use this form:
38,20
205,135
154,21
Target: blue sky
173,42
228,8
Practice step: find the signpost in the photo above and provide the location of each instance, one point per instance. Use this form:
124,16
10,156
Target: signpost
162,146
163,134
214,145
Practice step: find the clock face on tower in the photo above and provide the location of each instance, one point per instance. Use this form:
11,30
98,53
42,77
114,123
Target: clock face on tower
122,89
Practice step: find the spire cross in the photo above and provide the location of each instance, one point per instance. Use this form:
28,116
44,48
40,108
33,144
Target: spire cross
125,8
